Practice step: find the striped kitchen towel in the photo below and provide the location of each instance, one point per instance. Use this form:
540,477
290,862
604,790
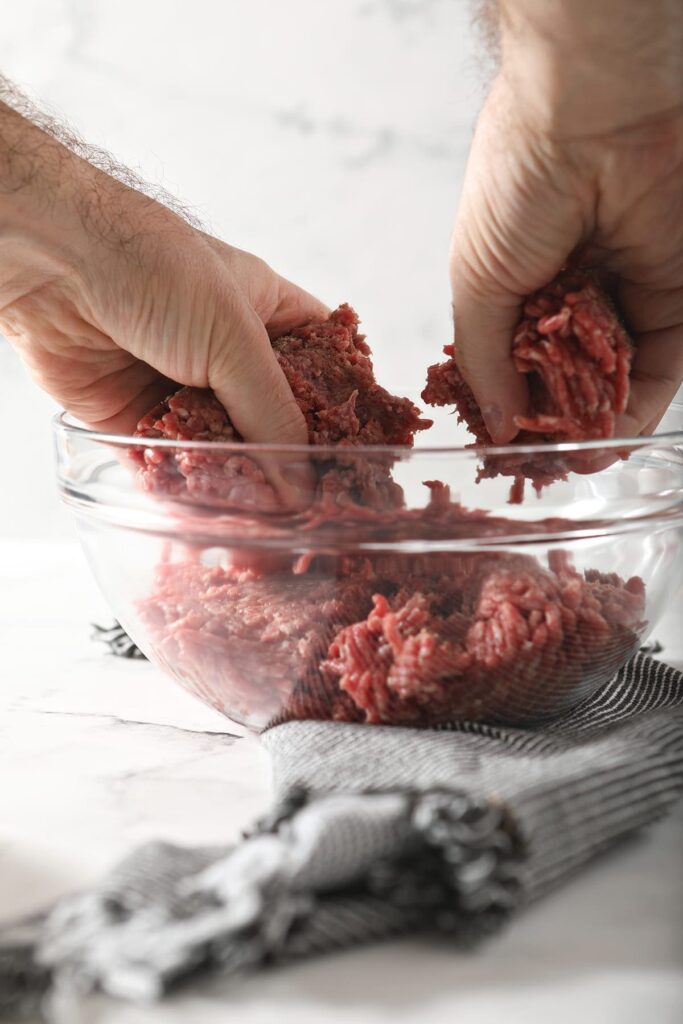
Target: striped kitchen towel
377,831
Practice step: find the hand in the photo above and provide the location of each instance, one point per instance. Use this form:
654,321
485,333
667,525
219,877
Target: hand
557,168
111,298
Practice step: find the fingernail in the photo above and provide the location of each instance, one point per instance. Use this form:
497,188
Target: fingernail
493,418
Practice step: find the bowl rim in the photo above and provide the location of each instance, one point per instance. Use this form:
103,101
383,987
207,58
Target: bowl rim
63,423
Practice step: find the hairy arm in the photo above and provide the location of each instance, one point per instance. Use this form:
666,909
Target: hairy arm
110,293
581,68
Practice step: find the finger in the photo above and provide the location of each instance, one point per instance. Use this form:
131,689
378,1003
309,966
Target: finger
520,217
656,376
484,322
280,304
504,248
248,380
294,308
653,424
137,404
108,391
589,462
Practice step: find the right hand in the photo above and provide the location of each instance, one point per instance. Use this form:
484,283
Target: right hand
537,189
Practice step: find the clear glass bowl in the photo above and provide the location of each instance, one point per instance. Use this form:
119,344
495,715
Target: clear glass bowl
376,604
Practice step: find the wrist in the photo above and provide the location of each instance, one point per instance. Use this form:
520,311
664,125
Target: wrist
581,67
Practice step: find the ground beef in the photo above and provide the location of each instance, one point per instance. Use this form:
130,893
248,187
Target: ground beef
329,369
398,639
502,639
576,357
195,414
354,630
244,642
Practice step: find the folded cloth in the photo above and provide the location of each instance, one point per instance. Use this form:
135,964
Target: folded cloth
377,831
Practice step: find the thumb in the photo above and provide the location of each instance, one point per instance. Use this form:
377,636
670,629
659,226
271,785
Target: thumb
516,226
247,378
485,315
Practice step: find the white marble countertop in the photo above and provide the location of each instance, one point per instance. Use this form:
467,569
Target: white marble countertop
100,754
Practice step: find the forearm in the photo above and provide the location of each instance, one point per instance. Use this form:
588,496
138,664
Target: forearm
62,214
39,222
585,67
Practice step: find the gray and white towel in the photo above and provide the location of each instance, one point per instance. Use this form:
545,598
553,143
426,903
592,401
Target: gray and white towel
377,832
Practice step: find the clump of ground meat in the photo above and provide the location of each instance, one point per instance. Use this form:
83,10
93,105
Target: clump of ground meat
501,639
576,357
329,369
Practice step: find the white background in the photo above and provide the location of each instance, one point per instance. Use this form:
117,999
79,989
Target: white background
328,136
